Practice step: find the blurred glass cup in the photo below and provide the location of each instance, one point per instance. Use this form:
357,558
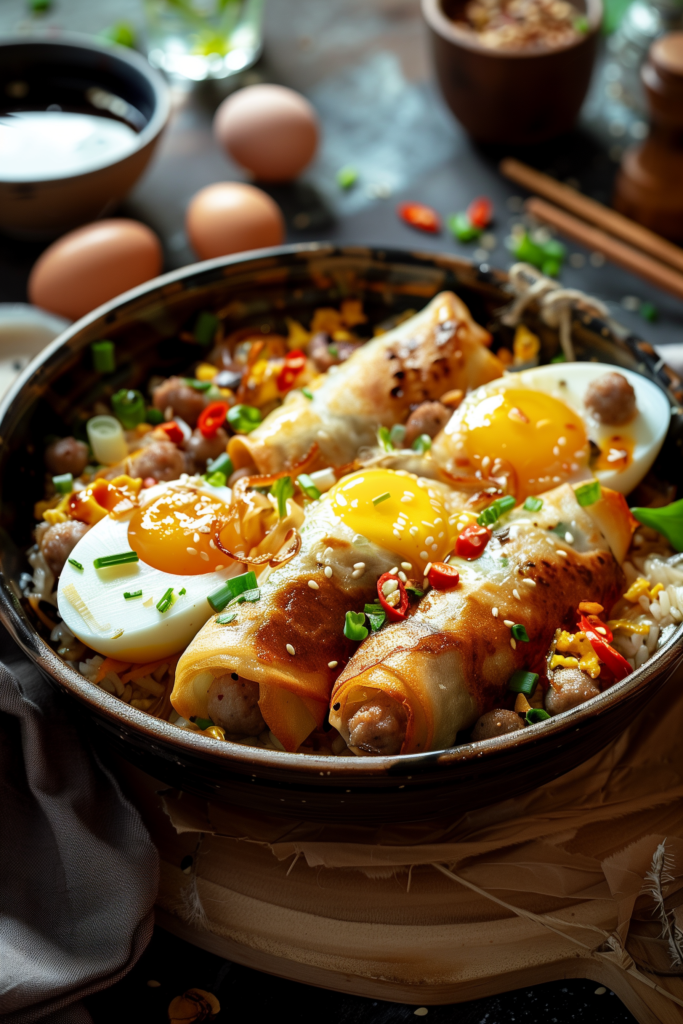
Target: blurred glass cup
200,39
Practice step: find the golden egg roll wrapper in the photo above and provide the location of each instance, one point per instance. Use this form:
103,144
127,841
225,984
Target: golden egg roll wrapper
294,688
435,351
451,661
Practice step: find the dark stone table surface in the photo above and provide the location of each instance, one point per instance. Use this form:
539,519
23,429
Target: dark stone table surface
365,65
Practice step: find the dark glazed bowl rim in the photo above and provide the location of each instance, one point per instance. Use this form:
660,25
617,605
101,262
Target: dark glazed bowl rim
555,731
441,24
122,55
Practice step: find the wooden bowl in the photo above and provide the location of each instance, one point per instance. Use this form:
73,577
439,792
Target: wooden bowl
507,96
265,287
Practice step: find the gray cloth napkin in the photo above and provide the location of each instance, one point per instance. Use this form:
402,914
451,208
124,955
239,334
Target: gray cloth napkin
78,870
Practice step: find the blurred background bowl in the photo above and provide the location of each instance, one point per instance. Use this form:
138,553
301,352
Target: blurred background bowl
78,75
513,97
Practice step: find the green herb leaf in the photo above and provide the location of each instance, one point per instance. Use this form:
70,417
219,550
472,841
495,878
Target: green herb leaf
307,392
198,385
347,177
282,489
103,356
244,418
63,484
307,486
523,682
232,588
354,628
225,620
533,504
376,615
384,439
76,565
107,561
588,494
519,633
667,520
216,479
422,444
166,601
460,225
397,434
128,595
380,498
129,408
205,328
249,595
536,715
154,416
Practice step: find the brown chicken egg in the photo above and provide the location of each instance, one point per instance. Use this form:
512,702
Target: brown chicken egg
269,129
232,216
93,264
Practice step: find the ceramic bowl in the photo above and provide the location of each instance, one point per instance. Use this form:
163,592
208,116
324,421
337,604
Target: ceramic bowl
506,96
36,71
256,288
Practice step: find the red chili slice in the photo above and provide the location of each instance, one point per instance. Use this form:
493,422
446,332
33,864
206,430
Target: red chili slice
442,576
173,432
213,417
614,661
472,541
480,212
295,361
419,216
394,614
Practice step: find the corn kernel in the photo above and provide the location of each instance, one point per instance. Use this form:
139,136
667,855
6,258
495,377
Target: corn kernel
637,589
215,732
53,515
658,587
205,371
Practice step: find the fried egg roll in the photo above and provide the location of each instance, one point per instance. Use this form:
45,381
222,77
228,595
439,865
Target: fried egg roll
412,686
435,351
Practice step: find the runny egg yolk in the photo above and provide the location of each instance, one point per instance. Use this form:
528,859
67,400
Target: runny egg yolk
397,512
538,435
175,532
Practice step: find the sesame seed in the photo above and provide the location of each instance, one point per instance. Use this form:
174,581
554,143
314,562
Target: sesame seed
513,643
203,554
332,664
196,538
205,529
563,553
407,566
212,545
406,498
556,451
328,553
403,578
290,650
359,565
429,540
191,551
568,537
599,629
423,554
427,568
435,547
508,622
328,571
413,531
529,583
494,612
313,585
438,521
516,594
357,573
397,534
219,567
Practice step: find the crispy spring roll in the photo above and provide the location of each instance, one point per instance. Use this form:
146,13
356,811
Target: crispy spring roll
435,351
412,686
272,667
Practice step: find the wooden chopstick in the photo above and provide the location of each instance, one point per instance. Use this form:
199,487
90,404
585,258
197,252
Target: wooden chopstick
639,263
593,212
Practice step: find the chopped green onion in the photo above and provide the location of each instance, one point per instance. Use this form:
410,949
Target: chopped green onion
244,418
495,510
64,484
559,358
225,620
347,177
460,225
384,439
376,616
648,311
128,596
202,723
182,592
223,464
282,489
581,24
76,565
333,350
551,268
523,682
667,520
353,626
307,392
129,408
380,498
422,444
535,715
107,561
198,385
415,591
122,33
166,601
533,504
40,6
231,589
308,487
519,633
397,434
216,479
154,416
205,328
588,494
103,357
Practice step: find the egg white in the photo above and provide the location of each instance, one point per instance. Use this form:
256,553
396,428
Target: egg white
133,630
569,383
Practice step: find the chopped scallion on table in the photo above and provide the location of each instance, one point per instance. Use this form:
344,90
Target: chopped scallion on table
422,444
282,489
244,418
128,596
198,385
519,633
495,510
223,464
107,561
523,682
103,356
384,439
588,494
166,601
76,565
533,504
535,715
63,484
232,588
354,628
307,486
380,498
205,327
129,408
